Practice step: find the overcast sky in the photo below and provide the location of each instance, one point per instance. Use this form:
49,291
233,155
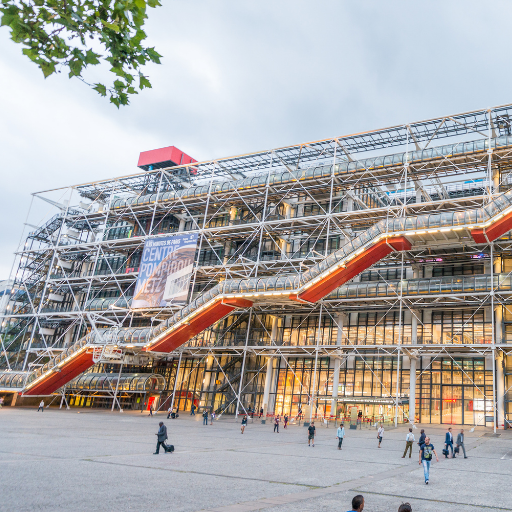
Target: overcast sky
244,76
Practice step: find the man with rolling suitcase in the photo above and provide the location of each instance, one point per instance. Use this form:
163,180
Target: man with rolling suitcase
161,438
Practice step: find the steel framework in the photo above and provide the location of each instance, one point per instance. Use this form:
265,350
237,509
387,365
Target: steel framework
270,225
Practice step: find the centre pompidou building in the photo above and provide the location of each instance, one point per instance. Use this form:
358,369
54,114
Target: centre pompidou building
367,274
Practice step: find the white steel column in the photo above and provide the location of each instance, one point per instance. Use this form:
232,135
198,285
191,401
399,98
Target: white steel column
412,390
176,381
266,392
269,375
500,390
337,363
414,326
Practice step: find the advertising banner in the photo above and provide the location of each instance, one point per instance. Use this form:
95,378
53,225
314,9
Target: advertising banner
165,270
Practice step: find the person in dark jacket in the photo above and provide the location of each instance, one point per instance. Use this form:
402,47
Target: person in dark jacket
422,437
244,423
205,417
161,438
460,442
448,442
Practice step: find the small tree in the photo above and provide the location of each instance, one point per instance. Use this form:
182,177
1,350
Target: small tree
75,34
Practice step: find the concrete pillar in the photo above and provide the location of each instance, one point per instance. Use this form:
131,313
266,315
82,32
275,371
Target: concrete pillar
227,246
496,180
415,314
416,269
487,266
350,204
287,211
68,337
412,391
269,376
14,398
428,271
206,380
500,390
498,324
497,264
337,361
266,392
182,224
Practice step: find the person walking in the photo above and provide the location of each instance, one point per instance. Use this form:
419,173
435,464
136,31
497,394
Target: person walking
244,423
161,438
357,503
193,410
261,412
311,433
409,439
422,437
276,423
340,434
205,417
285,420
460,442
41,406
426,452
212,417
380,434
448,443
150,410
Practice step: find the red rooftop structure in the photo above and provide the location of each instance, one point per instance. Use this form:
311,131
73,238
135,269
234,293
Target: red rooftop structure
161,158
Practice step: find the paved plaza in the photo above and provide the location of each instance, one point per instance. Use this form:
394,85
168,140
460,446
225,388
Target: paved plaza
92,460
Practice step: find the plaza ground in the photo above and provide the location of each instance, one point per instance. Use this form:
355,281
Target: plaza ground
92,460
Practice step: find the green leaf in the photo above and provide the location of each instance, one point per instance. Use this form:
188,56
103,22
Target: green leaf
92,58
47,68
102,90
111,26
144,82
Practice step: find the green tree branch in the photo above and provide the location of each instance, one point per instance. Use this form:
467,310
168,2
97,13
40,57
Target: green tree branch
58,35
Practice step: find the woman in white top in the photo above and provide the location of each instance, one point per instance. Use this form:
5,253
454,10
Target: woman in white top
380,434
340,434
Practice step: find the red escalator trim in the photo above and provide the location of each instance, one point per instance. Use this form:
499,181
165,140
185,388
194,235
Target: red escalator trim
354,267
495,230
198,324
238,302
69,371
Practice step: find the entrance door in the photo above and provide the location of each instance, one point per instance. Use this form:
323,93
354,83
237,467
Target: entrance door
452,405
151,401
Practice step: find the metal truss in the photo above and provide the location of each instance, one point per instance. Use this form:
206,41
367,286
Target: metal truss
77,270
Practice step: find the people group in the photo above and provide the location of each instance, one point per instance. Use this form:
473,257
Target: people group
426,449
358,505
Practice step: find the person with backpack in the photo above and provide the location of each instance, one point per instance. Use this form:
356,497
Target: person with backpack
340,434
422,437
285,420
311,433
244,423
426,452
409,439
380,434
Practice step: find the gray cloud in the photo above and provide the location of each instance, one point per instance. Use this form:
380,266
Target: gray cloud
244,76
